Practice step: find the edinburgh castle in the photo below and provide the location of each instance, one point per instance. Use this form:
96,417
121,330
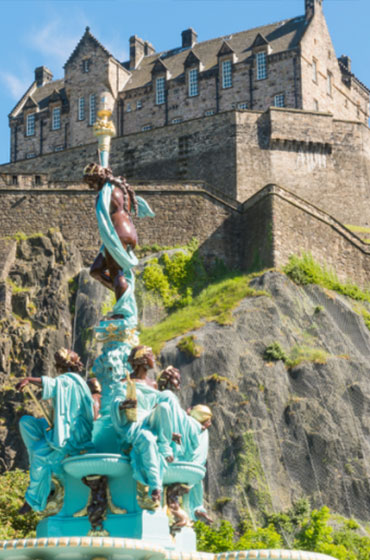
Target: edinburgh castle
257,141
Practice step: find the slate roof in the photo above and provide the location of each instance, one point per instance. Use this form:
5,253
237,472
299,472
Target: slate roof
281,36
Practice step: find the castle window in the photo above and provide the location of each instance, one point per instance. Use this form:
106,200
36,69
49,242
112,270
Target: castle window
329,84
15,180
30,125
81,108
58,148
279,100
261,66
176,120
160,92
314,71
55,125
147,127
139,104
37,180
92,109
315,105
242,105
128,108
30,155
209,113
193,88
227,76
184,146
85,65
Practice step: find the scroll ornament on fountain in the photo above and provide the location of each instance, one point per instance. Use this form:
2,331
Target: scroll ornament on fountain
119,471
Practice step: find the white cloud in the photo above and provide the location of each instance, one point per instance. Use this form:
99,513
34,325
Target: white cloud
53,40
16,86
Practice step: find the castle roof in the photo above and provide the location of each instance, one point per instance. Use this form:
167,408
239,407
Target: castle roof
281,36
40,95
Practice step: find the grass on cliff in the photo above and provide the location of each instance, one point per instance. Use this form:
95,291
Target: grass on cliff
305,270
214,303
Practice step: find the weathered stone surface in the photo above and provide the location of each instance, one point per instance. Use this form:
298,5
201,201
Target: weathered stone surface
38,322
279,434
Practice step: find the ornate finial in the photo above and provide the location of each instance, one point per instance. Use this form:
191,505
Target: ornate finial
104,130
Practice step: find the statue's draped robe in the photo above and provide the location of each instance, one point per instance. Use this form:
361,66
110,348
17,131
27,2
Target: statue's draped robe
71,433
126,259
159,416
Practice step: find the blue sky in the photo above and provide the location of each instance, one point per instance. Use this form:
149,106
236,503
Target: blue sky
44,32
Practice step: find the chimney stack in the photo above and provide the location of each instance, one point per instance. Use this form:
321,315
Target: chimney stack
137,51
346,61
189,38
311,7
42,75
148,48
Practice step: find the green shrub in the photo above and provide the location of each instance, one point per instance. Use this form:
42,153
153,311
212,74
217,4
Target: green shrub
274,352
13,485
188,346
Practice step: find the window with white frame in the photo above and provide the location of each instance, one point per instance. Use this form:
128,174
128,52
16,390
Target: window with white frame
85,65
261,66
55,125
242,105
146,127
314,70
176,120
160,91
227,76
92,109
279,100
81,108
209,112
193,88
30,125
128,108
329,84
139,104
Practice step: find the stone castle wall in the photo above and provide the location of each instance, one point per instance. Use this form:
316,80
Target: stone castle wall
264,232
323,160
182,213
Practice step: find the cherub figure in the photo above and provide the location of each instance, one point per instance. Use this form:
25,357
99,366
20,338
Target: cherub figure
115,203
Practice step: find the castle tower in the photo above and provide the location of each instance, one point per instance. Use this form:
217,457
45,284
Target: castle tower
311,7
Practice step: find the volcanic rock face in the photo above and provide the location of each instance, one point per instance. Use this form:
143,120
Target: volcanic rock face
35,321
284,430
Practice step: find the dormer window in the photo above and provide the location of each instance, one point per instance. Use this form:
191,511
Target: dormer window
81,108
193,82
92,109
261,66
160,90
227,76
30,125
85,65
55,124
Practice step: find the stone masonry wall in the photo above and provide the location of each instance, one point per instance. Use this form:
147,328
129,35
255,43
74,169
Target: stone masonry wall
182,213
301,227
323,160
344,100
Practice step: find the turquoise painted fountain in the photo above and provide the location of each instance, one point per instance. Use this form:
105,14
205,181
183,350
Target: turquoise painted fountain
119,470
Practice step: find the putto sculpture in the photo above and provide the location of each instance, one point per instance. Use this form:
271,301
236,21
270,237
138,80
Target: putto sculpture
120,460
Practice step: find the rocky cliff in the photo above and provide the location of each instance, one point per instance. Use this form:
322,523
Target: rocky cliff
287,379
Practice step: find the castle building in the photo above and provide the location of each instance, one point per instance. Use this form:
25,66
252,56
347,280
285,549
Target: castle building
289,64
256,143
